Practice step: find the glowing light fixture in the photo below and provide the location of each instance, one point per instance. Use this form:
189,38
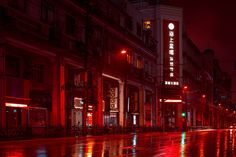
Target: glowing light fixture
185,87
147,24
15,105
171,26
171,100
123,51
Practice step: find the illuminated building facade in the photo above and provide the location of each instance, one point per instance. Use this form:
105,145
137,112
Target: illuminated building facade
62,66
166,27
198,78
90,64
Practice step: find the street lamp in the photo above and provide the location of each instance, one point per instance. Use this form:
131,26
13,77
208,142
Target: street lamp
185,87
185,108
123,51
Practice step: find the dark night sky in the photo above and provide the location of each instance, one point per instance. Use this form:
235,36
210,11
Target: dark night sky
211,24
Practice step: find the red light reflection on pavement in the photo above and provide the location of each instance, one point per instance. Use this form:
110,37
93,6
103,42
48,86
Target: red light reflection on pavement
172,144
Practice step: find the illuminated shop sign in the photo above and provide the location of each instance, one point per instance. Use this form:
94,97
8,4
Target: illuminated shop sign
175,83
114,98
171,52
15,105
170,100
171,27
78,103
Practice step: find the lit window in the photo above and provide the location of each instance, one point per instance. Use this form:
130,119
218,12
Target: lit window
139,63
147,24
134,120
129,58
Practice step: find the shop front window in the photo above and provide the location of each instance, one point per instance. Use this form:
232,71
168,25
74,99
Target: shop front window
37,117
111,102
13,116
89,119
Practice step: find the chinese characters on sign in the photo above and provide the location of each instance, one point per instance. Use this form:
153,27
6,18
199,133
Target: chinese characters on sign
171,52
171,27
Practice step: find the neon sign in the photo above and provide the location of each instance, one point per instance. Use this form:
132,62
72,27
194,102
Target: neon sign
171,52
170,100
171,27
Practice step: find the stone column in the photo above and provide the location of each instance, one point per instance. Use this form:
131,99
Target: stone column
2,88
62,112
98,117
141,105
54,116
121,105
179,118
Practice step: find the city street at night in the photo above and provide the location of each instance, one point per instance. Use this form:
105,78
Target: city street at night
102,78
205,143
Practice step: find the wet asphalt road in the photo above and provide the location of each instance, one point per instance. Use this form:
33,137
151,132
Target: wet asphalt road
208,143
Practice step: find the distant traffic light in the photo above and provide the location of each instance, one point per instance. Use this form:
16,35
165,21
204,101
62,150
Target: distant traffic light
183,114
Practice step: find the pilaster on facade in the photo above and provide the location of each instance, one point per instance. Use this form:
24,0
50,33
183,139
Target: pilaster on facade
55,113
2,87
62,92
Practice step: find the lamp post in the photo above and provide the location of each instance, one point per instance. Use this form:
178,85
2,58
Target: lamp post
124,54
185,108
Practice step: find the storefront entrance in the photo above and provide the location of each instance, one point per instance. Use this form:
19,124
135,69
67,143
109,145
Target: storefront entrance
170,116
111,119
77,118
13,117
111,102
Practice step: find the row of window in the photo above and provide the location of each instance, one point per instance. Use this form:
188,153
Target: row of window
140,63
48,16
34,71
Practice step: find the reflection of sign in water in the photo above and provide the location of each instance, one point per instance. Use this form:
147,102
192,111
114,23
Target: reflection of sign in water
113,98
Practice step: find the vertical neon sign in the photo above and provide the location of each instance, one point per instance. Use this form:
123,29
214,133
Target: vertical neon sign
171,52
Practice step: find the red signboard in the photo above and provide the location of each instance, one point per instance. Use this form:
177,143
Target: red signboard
171,52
